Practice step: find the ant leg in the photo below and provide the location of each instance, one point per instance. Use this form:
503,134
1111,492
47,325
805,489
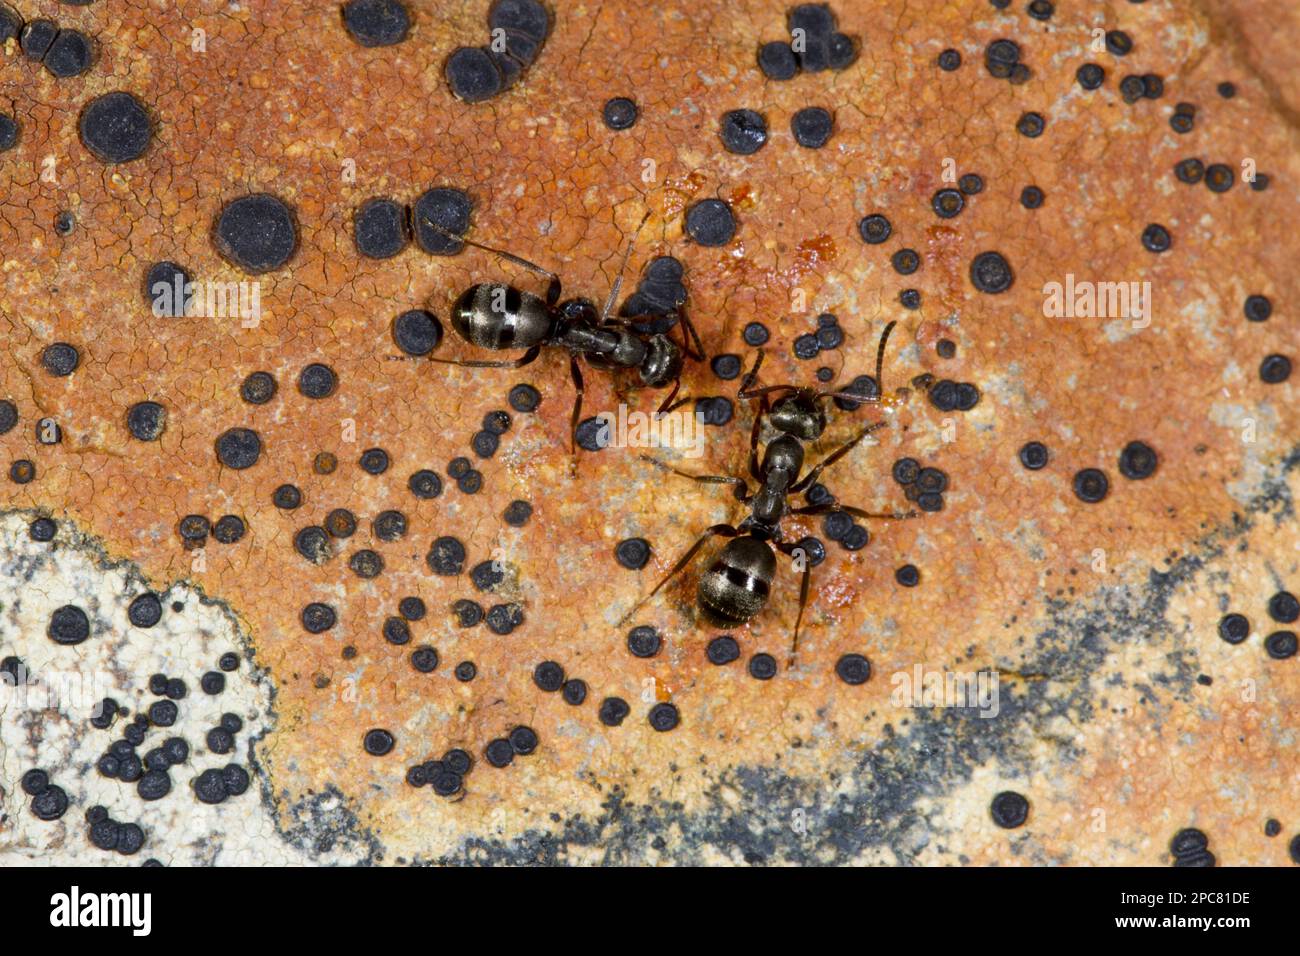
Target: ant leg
553,286
752,374
723,530
803,602
704,479
520,362
576,372
667,405
856,512
833,457
693,347
754,471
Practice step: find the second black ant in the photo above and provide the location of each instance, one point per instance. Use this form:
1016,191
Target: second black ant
736,585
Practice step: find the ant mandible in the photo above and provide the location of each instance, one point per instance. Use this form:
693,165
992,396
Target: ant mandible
735,588
497,316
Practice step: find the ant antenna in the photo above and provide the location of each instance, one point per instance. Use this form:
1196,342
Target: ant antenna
880,356
618,279
508,256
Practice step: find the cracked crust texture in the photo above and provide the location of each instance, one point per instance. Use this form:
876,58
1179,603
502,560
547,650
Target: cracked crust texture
1096,619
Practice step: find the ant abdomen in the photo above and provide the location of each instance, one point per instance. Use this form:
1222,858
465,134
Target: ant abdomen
495,316
736,585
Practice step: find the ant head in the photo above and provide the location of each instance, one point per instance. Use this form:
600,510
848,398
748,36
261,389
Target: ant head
577,312
799,414
662,363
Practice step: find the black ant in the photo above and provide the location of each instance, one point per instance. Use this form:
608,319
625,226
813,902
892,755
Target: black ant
736,586
497,316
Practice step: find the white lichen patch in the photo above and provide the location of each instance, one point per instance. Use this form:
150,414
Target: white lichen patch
45,720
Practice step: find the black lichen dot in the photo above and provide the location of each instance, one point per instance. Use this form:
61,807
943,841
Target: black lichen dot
1275,369
907,576
212,683
471,482
239,448
1000,57
755,334
467,613
287,497
726,366
1033,455
145,610
777,60
664,717
524,398
36,38
317,618
1219,178
22,471
523,740
115,128
194,529
1009,810
644,641
710,222
1281,645
317,381
972,184
1118,43
485,443
1031,197
620,113
743,131
68,625
380,229
1156,238
1090,76
1182,123
613,711
50,804
465,671
1041,9
69,55
905,261
366,564
503,619
991,273
437,217
425,484
42,529
258,388
949,60
947,203
376,22
424,659
374,461
229,529
517,513
1283,607
378,742
1091,485
762,666
256,233
548,676
11,24
8,132
146,421
1031,125
1258,308
574,692
874,229
446,557
853,669
60,359
473,75
1132,88
812,127
632,553
722,650
499,753
910,298
313,544
64,223
1137,461
1190,171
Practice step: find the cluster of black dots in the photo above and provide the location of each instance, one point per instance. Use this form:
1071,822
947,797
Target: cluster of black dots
64,52
444,776
1284,608
923,485
382,227
815,45
518,29
1137,462
109,835
49,800
115,127
949,396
